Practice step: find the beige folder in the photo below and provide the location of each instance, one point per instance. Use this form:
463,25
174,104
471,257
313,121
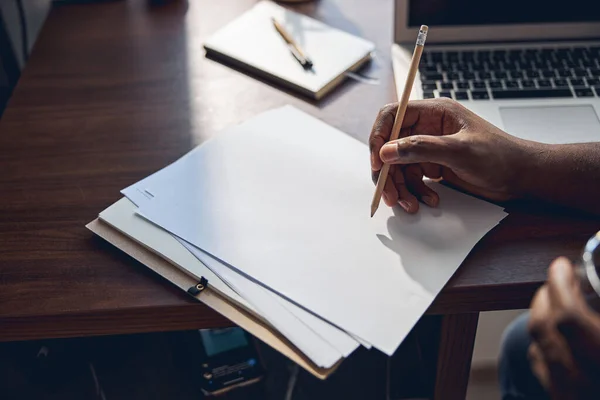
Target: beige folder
241,317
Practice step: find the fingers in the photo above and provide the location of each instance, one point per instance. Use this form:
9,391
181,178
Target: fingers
406,199
540,313
582,336
406,188
556,303
380,133
574,320
374,176
565,331
435,117
549,353
413,174
564,294
563,284
557,368
432,171
395,191
390,194
445,150
554,365
538,365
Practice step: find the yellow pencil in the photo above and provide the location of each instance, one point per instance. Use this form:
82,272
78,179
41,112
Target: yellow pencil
412,72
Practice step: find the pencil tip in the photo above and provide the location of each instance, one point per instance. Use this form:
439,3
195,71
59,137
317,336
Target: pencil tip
373,210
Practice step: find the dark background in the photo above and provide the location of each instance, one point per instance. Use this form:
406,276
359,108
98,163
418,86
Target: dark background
478,12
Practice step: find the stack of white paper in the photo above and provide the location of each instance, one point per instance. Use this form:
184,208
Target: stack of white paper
278,209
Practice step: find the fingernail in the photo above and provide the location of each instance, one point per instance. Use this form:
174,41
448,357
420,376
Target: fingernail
430,201
405,204
389,152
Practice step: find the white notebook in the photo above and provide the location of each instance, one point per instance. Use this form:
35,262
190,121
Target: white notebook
251,42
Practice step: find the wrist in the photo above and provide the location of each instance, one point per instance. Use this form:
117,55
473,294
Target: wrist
559,173
532,176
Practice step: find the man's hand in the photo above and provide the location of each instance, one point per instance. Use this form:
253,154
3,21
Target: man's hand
565,352
442,139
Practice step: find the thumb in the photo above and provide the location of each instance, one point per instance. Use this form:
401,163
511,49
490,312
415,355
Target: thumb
444,150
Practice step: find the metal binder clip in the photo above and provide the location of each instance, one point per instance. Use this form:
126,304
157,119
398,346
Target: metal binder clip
200,286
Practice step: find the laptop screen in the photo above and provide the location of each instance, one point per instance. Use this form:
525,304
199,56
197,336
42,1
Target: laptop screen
486,12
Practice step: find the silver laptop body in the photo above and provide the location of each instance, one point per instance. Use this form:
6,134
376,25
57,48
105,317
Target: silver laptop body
530,67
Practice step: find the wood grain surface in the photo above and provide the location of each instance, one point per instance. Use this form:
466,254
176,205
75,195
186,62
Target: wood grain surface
115,91
457,338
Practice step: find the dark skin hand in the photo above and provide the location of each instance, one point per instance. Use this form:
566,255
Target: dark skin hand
441,139
565,331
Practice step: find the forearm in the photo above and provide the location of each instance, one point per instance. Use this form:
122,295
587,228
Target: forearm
565,174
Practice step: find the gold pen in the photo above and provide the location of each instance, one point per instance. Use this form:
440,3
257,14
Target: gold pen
293,46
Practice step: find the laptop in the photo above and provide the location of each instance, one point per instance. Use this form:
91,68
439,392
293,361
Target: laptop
530,67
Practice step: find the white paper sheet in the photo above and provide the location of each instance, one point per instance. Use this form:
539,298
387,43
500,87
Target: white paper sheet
122,217
141,192
271,304
340,343
313,345
284,199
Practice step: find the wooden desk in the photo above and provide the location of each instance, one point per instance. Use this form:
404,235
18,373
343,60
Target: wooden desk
115,91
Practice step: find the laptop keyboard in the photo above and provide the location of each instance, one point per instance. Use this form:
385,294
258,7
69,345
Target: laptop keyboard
511,74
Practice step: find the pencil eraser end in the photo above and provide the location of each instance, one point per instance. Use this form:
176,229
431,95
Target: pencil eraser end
424,28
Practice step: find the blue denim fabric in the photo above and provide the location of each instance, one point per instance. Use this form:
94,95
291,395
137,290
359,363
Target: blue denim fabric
517,381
